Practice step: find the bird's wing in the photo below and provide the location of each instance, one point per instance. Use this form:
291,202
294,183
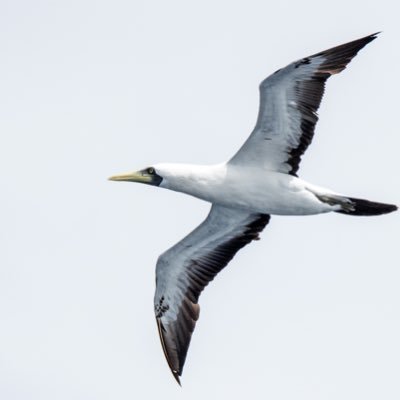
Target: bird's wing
289,100
185,269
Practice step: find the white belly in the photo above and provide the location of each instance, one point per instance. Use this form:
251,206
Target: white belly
275,193
254,190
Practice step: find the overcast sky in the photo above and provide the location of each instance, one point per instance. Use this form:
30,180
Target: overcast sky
91,88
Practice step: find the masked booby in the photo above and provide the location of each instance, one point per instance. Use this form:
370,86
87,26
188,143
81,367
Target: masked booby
258,181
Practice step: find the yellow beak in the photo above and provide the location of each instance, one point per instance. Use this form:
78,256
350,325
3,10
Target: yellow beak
139,176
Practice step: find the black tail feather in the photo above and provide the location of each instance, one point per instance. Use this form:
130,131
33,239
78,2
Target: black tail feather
366,207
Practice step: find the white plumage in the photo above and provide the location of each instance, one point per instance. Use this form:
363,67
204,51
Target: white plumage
246,187
260,180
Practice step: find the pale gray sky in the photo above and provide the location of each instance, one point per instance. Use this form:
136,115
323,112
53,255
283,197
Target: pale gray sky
92,88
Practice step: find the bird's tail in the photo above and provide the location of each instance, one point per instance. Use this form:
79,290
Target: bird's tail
363,207
353,206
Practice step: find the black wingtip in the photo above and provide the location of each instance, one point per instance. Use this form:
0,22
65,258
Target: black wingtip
165,350
337,58
176,376
371,37
366,39
356,45
375,35
360,43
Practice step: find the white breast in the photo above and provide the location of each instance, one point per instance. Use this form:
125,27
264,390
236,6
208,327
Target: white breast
252,189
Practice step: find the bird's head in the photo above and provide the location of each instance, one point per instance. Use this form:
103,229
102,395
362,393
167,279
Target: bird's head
178,177
148,175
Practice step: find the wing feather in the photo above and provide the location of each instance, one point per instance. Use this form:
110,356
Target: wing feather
186,269
289,100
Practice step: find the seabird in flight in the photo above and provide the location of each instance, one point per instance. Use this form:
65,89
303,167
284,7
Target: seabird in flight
258,181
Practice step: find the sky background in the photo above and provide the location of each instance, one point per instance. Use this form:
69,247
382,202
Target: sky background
91,88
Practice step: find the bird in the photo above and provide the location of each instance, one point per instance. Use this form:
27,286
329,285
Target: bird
260,180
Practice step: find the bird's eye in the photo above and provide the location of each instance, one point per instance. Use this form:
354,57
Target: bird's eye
150,170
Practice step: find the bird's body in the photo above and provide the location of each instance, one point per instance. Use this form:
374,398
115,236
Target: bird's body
245,188
260,180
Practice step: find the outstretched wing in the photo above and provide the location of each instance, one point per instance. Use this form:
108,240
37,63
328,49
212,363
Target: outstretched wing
289,100
185,269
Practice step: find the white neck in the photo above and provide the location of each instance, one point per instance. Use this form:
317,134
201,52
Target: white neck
191,179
